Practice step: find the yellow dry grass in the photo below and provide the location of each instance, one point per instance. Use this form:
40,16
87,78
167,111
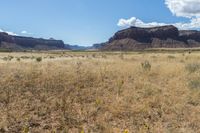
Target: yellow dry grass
100,93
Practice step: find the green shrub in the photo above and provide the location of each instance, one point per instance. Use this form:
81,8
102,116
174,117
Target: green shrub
171,57
182,61
146,65
39,59
192,67
51,57
32,57
5,50
195,84
18,59
104,56
9,58
94,55
25,57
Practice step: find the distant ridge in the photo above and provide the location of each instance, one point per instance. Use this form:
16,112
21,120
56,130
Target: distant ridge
136,38
18,43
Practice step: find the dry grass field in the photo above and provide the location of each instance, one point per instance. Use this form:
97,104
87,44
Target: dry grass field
93,92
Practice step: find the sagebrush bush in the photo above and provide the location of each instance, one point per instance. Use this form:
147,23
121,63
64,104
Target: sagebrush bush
39,59
195,84
25,57
18,59
171,57
8,58
146,65
192,67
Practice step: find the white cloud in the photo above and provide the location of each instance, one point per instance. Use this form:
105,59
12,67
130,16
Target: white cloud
194,23
9,32
184,8
181,8
137,22
14,34
25,32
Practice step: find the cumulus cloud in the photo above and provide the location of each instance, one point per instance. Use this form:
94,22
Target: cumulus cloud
181,8
9,32
194,23
25,32
137,22
184,8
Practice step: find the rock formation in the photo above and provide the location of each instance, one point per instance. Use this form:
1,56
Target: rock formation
135,38
21,43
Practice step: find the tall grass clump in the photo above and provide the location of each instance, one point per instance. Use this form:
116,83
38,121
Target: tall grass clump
146,65
18,59
171,57
192,67
8,58
39,59
195,84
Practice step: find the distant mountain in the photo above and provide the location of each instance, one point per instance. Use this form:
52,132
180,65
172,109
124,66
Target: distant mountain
78,47
135,38
98,45
18,43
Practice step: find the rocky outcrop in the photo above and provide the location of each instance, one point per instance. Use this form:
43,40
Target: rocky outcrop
135,38
20,43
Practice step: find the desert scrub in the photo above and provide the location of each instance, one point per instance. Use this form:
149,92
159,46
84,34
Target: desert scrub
98,102
195,84
104,56
182,61
121,56
146,66
8,58
153,56
25,129
25,57
51,57
120,84
39,59
94,55
32,57
18,59
192,67
67,95
171,57
78,70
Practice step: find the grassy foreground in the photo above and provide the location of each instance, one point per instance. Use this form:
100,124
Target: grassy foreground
99,93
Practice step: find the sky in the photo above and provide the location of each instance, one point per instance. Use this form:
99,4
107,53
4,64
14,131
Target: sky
86,22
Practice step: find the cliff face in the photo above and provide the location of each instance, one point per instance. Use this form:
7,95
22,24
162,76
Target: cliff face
19,43
135,38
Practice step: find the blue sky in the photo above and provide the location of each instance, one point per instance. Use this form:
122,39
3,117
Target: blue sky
85,22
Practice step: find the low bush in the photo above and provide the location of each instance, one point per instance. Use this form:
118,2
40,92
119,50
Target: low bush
146,66
39,59
192,67
195,84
